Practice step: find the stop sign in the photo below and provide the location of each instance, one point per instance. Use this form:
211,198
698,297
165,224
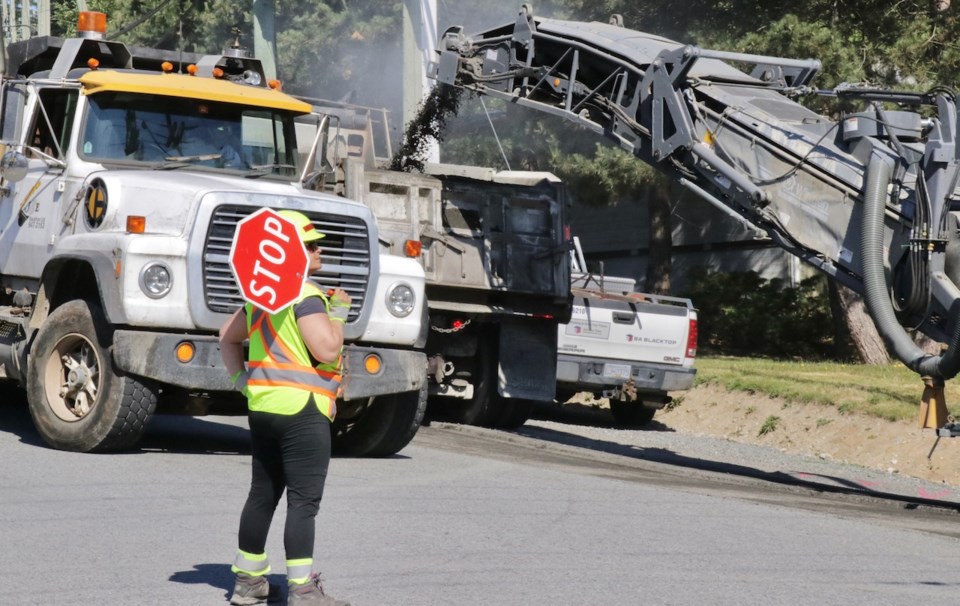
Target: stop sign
268,260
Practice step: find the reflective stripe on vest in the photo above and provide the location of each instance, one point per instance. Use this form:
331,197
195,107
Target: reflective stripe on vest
280,375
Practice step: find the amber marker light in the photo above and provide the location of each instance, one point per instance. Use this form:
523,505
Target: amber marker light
192,69
372,364
185,351
136,224
217,72
93,63
275,84
93,22
556,82
167,67
412,248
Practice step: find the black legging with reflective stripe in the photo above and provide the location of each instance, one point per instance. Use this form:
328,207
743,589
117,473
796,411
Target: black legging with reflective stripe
290,452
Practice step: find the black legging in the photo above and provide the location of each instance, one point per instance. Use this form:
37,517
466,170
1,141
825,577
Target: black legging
290,452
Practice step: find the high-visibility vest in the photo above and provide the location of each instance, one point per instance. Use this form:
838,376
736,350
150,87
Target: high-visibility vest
281,377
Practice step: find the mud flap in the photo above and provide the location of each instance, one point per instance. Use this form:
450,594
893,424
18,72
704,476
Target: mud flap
528,360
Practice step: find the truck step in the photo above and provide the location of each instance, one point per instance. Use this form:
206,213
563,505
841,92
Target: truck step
13,323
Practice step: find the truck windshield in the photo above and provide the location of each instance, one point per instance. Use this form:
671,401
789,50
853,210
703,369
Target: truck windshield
171,132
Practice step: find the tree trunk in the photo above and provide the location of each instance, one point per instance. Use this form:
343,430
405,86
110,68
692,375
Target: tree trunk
855,334
660,257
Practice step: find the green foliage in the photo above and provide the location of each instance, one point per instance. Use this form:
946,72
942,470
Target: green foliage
887,392
741,313
791,37
168,24
769,424
906,43
609,176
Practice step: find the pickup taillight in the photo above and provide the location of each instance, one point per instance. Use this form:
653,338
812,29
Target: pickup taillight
692,339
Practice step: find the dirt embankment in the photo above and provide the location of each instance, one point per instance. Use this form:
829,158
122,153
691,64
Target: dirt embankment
817,431
810,430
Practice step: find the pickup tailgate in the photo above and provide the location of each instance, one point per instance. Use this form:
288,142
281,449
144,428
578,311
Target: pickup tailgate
627,328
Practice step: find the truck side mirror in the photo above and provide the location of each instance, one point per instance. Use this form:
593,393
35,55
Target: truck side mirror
13,166
318,165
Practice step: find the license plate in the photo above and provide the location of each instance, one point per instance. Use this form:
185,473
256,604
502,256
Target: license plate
616,371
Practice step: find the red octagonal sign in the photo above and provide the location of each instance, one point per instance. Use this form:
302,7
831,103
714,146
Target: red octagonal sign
268,260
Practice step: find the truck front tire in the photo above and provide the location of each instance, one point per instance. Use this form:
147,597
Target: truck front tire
383,428
78,400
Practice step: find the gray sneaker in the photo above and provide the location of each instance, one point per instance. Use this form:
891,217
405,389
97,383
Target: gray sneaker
250,590
311,594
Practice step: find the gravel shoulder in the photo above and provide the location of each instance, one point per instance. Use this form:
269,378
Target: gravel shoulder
711,428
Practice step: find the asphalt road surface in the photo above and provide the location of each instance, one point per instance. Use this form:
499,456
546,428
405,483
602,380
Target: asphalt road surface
462,516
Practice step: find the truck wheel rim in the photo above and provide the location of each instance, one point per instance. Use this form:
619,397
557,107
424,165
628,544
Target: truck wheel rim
72,377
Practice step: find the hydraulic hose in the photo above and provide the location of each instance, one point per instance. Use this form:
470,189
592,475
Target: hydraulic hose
875,287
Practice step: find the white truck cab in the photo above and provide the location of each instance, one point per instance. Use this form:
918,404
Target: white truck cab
124,174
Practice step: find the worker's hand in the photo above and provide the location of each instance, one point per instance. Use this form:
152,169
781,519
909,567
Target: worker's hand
338,297
339,305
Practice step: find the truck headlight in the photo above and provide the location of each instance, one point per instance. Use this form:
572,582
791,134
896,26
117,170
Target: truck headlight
156,279
401,300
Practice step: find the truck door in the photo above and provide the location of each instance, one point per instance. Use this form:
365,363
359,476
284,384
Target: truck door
30,211
12,98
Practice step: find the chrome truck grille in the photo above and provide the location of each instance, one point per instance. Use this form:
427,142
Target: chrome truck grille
346,258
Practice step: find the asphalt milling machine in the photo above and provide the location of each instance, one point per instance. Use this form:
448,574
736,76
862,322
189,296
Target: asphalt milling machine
869,198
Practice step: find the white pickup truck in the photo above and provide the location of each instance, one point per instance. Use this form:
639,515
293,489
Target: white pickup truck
630,347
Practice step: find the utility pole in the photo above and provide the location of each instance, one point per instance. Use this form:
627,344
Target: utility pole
25,19
265,36
43,18
3,38
419,42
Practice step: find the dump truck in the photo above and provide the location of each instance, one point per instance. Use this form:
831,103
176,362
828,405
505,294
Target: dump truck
494,246
119,201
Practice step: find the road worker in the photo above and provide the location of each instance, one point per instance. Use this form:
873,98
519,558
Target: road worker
291,382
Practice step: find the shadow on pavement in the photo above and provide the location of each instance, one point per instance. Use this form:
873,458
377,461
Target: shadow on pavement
219,576
818,482
586,415
15,416
165,433
173,433
194,435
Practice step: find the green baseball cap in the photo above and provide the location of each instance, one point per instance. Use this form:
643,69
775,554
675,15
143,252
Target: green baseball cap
308,232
